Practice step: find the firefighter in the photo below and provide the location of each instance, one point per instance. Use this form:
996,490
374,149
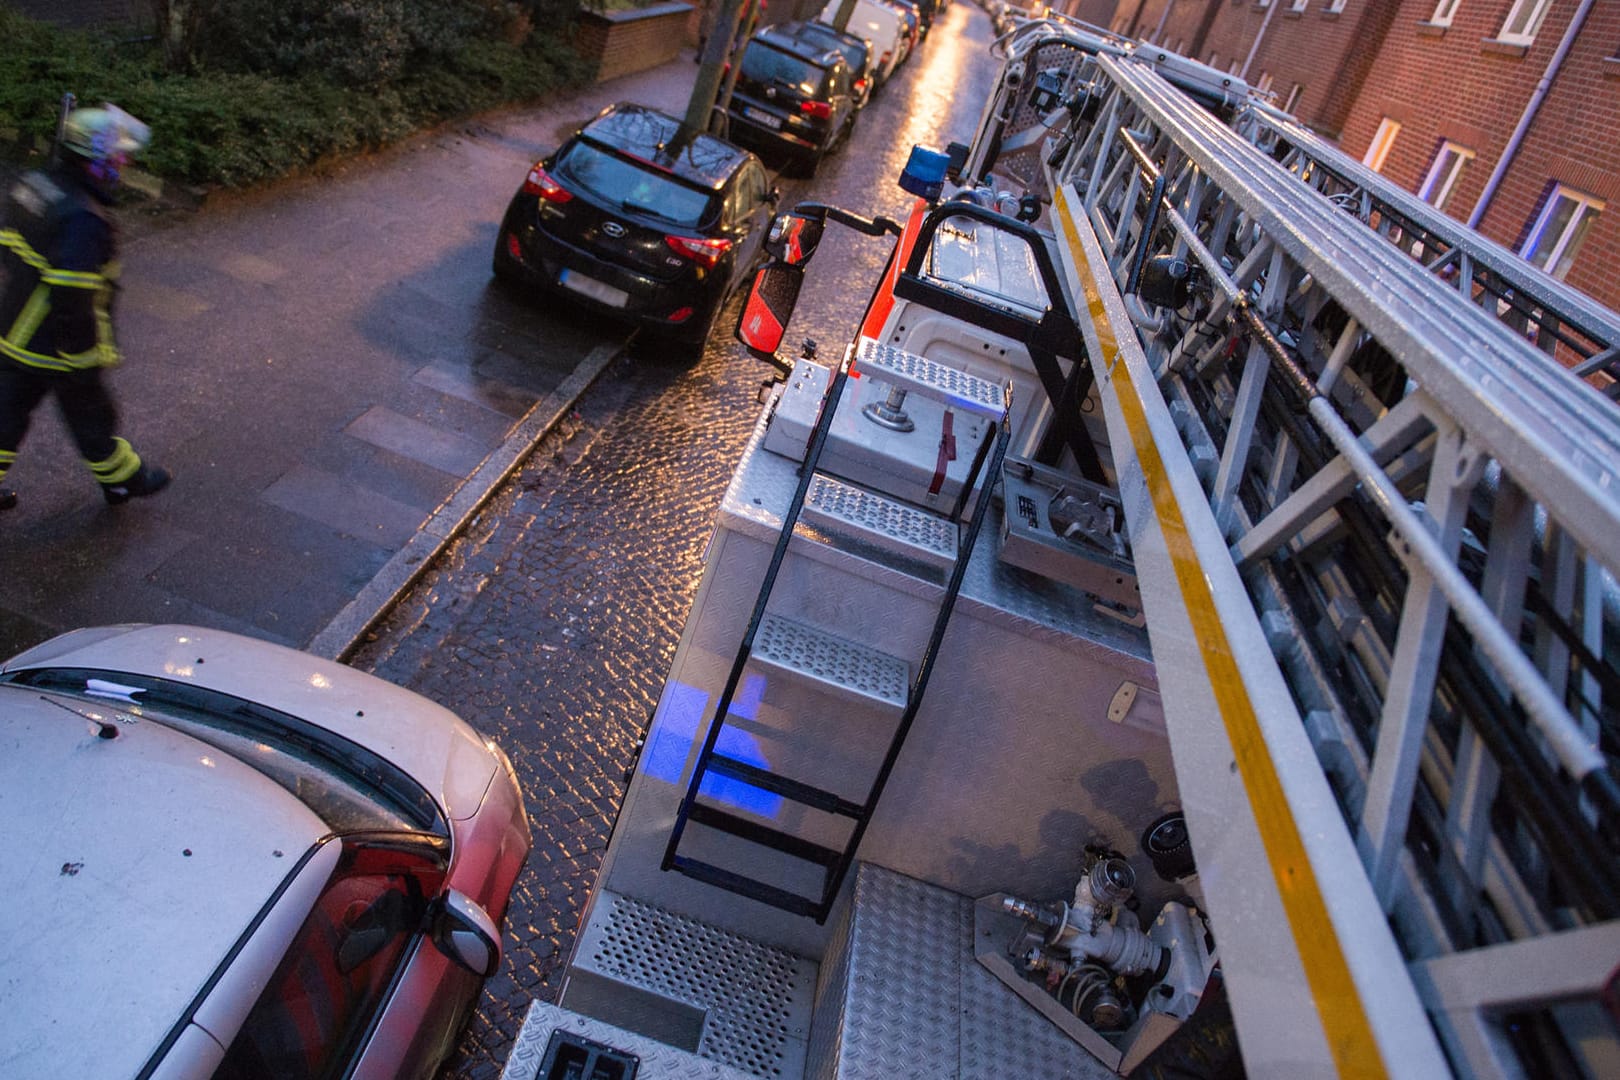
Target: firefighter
58,248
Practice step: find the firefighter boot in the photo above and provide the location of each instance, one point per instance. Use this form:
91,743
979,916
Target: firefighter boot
148,480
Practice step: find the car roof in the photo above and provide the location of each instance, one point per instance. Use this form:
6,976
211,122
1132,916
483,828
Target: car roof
667,144
134,865
826,33
788,40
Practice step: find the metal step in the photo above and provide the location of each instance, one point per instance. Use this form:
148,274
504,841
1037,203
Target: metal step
919,375
884,522
755,1000
840,666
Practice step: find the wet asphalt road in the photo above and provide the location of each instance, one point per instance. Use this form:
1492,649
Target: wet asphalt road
551,623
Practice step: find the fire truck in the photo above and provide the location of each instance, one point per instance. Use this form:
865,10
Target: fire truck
1173,637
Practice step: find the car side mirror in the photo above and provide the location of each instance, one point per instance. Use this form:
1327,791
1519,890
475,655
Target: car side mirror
793,237
464,932
769,306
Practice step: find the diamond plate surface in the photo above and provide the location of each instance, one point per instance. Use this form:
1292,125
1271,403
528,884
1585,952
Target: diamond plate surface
904,997
838,664
885,522
904,989
910,372
657,1061
758,998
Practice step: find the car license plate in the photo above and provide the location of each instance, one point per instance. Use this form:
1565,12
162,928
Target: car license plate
600,291
770,120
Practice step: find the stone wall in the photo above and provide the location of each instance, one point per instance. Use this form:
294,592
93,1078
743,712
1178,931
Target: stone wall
622,42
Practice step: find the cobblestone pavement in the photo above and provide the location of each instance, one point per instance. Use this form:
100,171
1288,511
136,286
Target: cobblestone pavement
551,623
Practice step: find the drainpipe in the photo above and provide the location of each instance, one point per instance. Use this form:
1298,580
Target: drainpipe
1271,9
1163,18
1536,97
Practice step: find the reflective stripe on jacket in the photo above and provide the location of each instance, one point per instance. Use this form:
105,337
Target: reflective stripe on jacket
57,250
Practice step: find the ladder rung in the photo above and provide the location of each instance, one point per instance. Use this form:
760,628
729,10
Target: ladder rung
754,890
815,797
763,835
917,374
866,674
884,522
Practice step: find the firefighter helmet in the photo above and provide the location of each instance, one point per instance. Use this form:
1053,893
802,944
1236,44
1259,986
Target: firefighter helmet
105,134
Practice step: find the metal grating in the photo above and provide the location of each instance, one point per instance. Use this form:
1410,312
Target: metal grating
894,526
758,999
910,372
835,663
656,1061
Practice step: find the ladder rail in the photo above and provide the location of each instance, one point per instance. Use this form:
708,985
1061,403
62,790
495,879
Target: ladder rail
1488,455
925,667
818,440
1560,306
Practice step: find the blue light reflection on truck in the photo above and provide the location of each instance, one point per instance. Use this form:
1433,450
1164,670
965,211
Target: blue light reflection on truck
680,724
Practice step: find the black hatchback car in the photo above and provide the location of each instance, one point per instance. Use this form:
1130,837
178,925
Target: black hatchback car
792,96
857,52
641,218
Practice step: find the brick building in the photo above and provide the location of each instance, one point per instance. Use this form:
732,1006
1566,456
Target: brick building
1431,93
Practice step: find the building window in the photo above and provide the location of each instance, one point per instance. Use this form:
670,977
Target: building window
1444,12
1264,85
1382,140
1441,182
1335,6
1558,233
1293,97
1298,5
1214,60
1523,21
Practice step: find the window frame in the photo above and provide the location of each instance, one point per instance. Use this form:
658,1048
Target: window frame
1444,12
1335,7
1294,95
1298,5
1573,233
1460,156
1534,13
1383,141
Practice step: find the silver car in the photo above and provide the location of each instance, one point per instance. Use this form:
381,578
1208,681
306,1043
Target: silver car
227,858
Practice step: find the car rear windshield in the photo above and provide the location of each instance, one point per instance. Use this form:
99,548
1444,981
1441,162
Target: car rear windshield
855,53
631,185
773,67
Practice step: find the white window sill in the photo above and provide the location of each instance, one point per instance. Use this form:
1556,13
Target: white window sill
1505,48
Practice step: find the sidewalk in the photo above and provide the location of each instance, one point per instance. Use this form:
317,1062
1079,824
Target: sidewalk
335,384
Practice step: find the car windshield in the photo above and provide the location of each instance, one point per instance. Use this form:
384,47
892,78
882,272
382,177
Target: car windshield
349,787
631,186
772,67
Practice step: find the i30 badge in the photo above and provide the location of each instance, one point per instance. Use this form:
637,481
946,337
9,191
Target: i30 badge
614,229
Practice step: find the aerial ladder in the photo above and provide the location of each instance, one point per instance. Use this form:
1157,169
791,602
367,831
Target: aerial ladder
1376,526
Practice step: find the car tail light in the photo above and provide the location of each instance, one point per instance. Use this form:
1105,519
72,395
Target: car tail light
883,61
821,110
540,183
860,85
680,314
705,252
513,247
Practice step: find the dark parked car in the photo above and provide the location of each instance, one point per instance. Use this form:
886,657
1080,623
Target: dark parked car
794,97
641,218
858,54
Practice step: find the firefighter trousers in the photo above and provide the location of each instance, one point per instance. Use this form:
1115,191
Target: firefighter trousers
86,405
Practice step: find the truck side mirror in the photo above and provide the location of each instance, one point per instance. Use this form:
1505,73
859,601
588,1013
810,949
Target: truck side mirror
770,304
794,237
